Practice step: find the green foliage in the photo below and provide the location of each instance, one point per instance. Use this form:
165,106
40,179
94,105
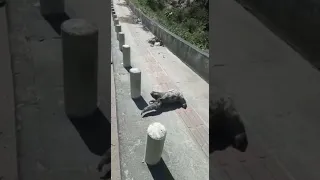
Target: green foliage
156,5
189,23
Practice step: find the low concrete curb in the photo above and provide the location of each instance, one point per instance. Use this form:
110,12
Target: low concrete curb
115,156
192,56
8,139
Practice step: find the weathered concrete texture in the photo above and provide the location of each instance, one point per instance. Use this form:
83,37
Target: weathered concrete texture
274,88
50,147
96,12
295,21
182,157
80,70
166,71
8,148
195,58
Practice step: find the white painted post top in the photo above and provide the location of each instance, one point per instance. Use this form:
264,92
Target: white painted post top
135,70
157,131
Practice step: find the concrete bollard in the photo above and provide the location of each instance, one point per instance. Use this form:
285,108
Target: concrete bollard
126,56
115,16
118,29
80,59
156,136
135,83
121,40
50,7
116,21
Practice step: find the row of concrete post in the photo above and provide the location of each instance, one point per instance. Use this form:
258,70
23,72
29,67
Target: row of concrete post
80,66
156,132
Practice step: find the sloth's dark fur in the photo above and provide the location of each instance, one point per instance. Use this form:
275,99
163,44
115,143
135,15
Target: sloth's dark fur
226,127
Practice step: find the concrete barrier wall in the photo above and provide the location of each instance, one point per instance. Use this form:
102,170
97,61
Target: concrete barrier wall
192,56
295,21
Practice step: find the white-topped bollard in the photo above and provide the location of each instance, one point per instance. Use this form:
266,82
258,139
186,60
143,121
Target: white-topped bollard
121,40
118,29
156,136
80,65
135,83
116,21
49,7
126,55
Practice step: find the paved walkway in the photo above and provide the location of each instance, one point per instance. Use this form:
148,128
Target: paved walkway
186,150
166,71
274,88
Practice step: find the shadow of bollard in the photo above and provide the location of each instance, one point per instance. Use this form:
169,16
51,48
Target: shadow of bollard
95,131
160,171
226,126
140,102
3,3
55,21
168,108
128,68
49,7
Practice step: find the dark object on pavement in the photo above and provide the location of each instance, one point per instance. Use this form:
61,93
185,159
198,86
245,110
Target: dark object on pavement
226,126
106,160
3,3
161,98
155,42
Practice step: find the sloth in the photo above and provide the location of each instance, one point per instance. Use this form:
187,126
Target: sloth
162,98
226,126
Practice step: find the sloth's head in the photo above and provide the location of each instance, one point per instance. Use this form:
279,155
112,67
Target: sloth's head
155,95
240,142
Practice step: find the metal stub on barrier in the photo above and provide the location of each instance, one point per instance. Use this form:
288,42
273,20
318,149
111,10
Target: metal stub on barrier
156,135
135,82
80,59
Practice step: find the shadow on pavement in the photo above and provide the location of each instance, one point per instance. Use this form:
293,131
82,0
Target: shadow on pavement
226,127
128,68
95,131
160,171
140,102
56,20
143,27
168,108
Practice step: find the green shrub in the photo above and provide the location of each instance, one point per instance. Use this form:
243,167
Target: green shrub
190,23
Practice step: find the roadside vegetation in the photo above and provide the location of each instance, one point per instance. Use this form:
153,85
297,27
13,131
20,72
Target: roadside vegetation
188,19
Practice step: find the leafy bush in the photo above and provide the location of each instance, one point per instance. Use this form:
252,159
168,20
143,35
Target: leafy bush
190,23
